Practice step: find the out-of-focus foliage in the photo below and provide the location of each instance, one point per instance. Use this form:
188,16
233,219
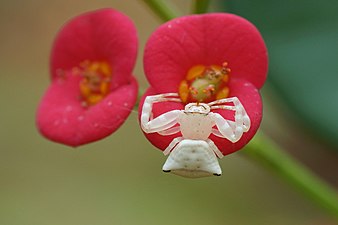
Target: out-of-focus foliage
302,38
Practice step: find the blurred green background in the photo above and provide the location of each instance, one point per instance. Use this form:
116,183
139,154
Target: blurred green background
302,38
119,181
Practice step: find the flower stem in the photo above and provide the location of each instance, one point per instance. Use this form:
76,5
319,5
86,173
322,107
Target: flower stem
201,6
272,156
163,10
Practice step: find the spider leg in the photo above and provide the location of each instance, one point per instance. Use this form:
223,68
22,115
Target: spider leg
172,144
221,101
238,107
232,130
162,122
216,132
170,131
242,117
214,148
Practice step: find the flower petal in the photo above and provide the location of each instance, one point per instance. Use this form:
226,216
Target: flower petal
105,35
61,118
207,39
246,93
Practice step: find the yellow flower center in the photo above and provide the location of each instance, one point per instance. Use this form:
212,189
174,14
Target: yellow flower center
95,82
205,83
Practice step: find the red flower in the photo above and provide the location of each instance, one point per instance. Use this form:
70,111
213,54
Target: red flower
92,90
197,46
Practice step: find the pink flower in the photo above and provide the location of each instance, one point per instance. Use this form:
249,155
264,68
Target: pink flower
180,55
92,90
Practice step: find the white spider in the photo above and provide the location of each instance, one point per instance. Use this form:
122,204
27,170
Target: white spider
194,154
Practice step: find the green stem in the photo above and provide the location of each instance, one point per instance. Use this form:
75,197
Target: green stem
201,6
163,10
262,149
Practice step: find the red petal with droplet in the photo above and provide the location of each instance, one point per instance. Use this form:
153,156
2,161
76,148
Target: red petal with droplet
61,118
102,35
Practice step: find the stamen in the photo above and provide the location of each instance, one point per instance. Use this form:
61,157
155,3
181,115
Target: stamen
195,72
223,93
205,83
184,90
95,83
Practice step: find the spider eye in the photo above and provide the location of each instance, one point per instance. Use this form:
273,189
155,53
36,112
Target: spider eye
197,108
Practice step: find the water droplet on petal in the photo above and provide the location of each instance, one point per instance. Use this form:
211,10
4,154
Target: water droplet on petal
69,108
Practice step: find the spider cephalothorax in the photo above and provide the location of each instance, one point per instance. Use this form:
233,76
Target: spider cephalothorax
194,154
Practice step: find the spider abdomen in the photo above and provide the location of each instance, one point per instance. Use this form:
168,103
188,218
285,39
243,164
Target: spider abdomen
192,158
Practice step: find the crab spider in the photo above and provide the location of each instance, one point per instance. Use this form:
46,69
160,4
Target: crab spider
194,154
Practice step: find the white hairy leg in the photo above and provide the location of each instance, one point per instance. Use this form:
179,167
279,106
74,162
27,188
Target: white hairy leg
217,103
241,117
232,130
170,131
172,145
162,122
214,148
